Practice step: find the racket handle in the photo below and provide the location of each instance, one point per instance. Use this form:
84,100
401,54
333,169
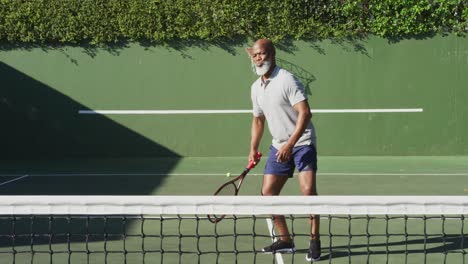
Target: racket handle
253,163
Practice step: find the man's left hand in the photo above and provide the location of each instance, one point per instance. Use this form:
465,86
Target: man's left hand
284,153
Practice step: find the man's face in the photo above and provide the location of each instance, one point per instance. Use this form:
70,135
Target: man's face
259,54
261,59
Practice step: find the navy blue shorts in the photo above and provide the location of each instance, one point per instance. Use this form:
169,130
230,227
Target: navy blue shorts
304,158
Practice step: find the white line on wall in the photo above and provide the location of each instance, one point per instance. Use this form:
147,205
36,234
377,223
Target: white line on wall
240,111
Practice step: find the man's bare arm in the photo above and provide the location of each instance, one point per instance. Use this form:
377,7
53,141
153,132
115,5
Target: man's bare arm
258,125
303,118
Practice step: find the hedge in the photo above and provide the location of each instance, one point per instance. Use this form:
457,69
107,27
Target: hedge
159,21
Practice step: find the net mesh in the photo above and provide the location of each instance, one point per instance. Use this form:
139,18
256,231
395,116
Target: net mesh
176,230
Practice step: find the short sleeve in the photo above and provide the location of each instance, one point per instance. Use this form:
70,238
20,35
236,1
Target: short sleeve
295,91
257,110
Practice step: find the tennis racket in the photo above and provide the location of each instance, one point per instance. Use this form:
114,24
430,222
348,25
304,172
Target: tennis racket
232,187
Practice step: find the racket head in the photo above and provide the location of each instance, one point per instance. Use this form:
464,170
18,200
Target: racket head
229,188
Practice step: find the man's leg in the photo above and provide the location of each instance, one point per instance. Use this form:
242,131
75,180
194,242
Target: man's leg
272,185
275,176
307,182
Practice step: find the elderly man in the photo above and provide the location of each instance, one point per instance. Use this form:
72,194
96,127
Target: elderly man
279,98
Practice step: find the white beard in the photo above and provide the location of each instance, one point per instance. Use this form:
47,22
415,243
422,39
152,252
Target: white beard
262,70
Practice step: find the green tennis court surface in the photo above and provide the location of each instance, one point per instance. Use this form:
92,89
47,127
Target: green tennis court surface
381,239
201,176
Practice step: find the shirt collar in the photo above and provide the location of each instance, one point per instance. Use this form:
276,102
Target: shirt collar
275,71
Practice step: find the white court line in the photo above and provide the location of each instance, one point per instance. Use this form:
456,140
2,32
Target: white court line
15,179
119,174
392,174
224,174
279,257
240,111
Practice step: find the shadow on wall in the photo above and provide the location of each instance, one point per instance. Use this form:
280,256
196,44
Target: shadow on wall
42,126
305,76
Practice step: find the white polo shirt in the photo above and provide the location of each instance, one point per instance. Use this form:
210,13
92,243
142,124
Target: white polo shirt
274,98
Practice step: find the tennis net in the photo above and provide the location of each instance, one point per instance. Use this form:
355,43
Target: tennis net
175,229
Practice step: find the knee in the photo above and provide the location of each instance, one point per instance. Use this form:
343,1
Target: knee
267,192
308,190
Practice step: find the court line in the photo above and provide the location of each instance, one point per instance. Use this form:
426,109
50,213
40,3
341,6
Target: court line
393,174
224,174
241,111
271,230
15,179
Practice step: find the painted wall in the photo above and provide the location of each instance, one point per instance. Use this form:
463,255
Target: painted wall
42,91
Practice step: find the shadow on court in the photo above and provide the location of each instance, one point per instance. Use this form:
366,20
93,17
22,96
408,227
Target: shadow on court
434,246
43,135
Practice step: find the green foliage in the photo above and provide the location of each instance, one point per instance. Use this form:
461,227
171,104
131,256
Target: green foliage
157,21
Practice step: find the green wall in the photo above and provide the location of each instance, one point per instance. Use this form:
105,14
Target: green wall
42,90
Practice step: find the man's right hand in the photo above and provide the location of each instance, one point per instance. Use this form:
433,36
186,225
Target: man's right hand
253,155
